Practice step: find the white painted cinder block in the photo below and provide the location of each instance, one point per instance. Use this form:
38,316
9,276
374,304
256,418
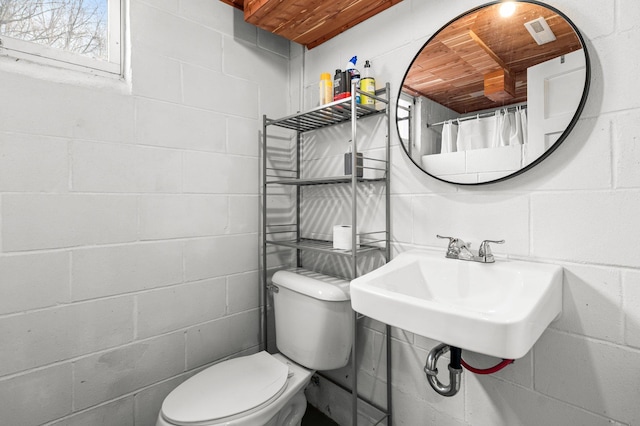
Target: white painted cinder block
155,76
219,174
270,76
244,213
214,340
629,10
631,291
149,29
219,256
474,217
26,116
176,126
243,136
406,178
179,216
51,335
34,281
168,309
148,402
116,413
112,194
106,271
597,369
36,397
499,403
51,221
102,167
273,43
239,58
79,118
402,222
107,375
112,121
215,15
574,226
243,292
626,149
33,163
582,161
214,91
590,294
618,96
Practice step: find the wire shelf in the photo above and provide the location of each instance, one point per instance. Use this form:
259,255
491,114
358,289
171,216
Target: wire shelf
323,116
324,246
321,180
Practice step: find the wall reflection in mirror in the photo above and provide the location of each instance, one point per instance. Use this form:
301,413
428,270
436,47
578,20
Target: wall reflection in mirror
493,92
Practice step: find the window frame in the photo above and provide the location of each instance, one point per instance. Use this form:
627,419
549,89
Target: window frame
22,49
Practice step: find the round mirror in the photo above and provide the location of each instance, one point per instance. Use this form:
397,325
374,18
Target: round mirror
493,92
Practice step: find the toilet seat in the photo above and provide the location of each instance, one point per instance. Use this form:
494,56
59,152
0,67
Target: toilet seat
213,394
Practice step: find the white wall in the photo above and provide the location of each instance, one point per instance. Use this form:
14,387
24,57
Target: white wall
578,208
129,216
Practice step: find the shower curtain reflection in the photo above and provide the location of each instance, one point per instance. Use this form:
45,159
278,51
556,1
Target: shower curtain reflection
501,128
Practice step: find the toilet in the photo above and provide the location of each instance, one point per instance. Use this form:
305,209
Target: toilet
314,331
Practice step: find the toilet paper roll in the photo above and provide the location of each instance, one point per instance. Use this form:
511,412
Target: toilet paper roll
342,237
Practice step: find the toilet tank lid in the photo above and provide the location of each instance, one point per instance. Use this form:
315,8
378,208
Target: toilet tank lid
313,284
226,389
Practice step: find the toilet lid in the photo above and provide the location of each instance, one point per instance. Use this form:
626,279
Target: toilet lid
226,389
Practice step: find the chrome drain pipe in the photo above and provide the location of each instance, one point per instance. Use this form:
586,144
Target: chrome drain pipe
455,370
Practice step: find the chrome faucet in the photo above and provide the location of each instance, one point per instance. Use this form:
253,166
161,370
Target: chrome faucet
484,252
458,249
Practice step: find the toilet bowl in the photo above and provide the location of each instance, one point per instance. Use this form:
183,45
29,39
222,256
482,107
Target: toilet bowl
255,390
314,331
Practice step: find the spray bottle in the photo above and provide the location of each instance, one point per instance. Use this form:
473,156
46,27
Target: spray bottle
353,75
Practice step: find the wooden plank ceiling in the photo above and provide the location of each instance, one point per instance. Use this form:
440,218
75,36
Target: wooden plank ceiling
451,69
309,22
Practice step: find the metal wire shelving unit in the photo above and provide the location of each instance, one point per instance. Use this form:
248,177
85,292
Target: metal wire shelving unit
337,112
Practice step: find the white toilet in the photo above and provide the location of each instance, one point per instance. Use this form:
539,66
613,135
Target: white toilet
314,331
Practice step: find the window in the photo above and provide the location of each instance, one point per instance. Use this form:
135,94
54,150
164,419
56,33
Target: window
76,34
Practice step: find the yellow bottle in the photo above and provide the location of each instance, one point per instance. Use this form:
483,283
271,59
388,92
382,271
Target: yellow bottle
368,84
326,88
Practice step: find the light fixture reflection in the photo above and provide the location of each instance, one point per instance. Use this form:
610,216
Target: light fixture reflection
507,8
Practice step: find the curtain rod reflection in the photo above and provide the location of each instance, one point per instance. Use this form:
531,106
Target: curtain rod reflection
480,115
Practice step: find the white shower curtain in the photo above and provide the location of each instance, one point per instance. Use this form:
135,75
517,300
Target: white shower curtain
477,133
449,137
500,129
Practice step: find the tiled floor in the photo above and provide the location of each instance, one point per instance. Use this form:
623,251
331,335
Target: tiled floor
313,417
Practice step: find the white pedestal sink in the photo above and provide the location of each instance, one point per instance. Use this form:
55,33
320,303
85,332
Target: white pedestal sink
498,309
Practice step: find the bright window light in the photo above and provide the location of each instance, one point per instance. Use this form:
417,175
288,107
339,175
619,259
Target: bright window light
68,33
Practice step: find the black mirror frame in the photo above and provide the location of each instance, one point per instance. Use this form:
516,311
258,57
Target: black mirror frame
567,131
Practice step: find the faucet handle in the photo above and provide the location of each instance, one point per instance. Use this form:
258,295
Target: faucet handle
484,252
454,246
455,241
451,239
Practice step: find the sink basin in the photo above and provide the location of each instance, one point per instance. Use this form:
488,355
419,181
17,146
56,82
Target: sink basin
497,309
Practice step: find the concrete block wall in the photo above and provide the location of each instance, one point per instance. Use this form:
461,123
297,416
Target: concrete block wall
578,209
129,216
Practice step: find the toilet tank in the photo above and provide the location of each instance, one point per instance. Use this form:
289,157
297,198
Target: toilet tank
314,319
